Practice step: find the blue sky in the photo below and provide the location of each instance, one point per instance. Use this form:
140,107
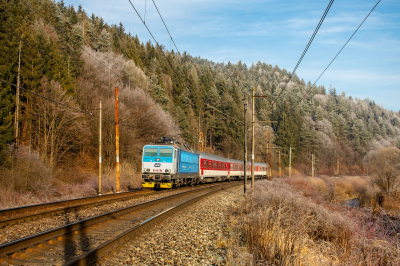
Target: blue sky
276,32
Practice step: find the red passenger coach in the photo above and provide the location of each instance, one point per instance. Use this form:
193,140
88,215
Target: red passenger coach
213,167
217,168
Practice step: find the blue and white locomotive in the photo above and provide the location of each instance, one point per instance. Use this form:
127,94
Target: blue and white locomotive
168,163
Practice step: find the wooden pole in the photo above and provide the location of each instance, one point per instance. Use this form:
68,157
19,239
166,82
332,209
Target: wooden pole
252,143
117,138
245,147
337,169
17,95
312,164
290,162
268,153
100,148
280,169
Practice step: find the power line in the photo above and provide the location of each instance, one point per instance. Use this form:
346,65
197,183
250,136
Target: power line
347,41
74,108
175,47
215,108
306,49
165,26
69,38
300,98
173,69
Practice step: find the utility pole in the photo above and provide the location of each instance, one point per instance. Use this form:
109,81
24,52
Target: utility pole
269,154
337,169
117,137
201,140
200,133
245,146
252,143
17,98
290,162
312,164
100,141
280,169
270,159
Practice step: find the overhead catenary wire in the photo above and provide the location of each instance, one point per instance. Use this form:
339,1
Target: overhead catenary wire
347,42
305,50
162,50
74,108
55,28
307,91
93,81
215,108
151,34
165,26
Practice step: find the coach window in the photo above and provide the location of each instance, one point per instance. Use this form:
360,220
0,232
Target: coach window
175,154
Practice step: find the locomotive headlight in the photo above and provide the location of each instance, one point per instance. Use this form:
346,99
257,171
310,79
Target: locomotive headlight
167,170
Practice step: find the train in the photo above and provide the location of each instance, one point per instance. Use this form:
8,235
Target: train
168,163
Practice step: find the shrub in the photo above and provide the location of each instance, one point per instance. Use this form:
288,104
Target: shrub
24,171
279,226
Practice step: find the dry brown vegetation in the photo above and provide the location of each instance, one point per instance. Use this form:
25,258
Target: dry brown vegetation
278,225
57,155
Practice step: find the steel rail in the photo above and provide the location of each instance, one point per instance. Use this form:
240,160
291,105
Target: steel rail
14,251
111,245
32,212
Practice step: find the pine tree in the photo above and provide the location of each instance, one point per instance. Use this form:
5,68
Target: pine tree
104,41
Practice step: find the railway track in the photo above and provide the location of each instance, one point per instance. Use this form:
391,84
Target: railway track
34,212
96,239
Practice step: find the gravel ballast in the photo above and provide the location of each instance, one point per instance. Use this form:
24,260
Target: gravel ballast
17,231
192,237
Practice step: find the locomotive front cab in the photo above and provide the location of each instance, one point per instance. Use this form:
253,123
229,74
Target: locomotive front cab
157,166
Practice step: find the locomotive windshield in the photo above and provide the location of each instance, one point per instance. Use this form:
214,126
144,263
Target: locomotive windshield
150,152
165,152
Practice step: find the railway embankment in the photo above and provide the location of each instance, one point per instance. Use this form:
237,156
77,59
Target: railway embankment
281,222
288,222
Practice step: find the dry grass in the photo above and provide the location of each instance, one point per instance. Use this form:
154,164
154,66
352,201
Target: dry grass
279,226
26,180
337,190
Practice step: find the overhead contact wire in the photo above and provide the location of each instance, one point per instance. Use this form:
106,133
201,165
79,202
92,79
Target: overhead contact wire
74,108
70,38
302,97
347,41
165,26
305,50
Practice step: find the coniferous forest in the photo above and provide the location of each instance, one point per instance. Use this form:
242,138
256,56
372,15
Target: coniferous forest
71,57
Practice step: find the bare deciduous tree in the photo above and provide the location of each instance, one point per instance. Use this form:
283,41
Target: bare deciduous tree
385,162
61,131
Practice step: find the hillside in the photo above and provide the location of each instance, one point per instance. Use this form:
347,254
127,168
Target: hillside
78,59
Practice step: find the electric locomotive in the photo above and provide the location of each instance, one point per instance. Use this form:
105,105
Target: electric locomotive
168,163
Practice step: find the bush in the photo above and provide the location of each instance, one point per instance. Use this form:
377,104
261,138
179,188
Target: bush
279,226
25,172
